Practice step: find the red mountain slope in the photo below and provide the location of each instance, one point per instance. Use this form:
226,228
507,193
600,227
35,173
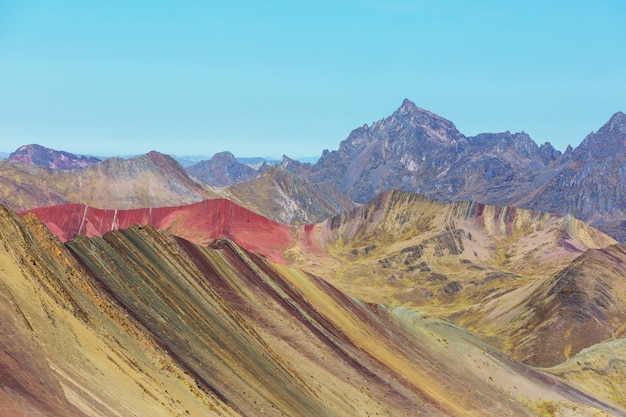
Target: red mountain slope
200,223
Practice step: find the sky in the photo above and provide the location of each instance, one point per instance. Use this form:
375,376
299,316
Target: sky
294,78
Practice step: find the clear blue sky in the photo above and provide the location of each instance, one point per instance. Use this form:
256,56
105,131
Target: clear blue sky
295,77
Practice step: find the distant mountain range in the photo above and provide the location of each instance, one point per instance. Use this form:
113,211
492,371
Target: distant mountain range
415,150
418,151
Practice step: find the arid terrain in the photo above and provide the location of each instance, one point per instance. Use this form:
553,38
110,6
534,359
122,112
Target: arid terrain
411,272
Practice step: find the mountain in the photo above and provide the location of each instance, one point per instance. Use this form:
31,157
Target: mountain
416,150
592,183
157,180
487,268
49,158
142,323
221,170
585,303
285,197
151,180
188,160
200,223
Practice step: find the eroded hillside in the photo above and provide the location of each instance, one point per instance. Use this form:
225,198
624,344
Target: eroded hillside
139,322
480,266
496,270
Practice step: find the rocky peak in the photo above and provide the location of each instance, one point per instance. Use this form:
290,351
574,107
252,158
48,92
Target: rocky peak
49,158
411,116
419,115
616,124
264,166
162,161
224,157
287,161
293,166
513,145
548,153
499,142
408,124
608,142
221,170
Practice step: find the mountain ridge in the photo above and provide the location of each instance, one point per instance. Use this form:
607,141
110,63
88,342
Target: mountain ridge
139,322
50,158
404,304
465,261
412,150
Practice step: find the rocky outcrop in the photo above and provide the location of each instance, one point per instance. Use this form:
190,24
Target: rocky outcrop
418,151
591,185
280,195
390,153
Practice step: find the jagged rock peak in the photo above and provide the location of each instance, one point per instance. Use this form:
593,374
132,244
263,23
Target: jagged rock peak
294,166
271,170
616,124
221,170
408,107
608,142
286,161
548,152
419,116
408,123
409,116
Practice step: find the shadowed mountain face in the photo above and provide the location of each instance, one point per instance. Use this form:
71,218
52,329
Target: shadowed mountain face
585,303
49,158
142,323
